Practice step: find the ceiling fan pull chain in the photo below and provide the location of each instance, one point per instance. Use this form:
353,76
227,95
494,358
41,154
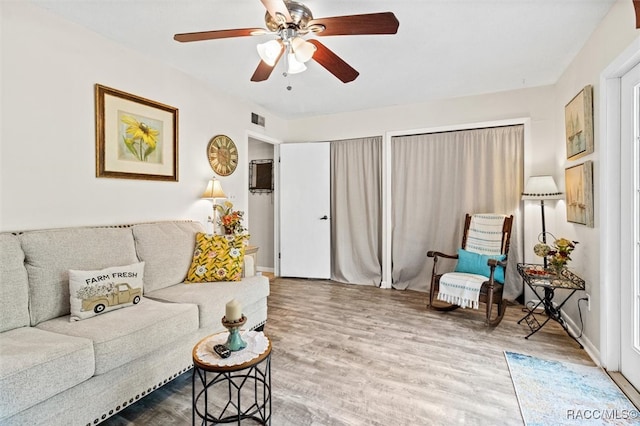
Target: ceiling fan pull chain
286,75
286,60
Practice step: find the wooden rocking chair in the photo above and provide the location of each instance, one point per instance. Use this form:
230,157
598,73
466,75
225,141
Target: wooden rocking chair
483,240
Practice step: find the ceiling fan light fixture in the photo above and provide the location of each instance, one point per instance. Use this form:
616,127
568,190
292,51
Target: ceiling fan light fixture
294,66
302,49
269,51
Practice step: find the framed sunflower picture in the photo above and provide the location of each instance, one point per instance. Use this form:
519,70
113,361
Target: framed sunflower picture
136,138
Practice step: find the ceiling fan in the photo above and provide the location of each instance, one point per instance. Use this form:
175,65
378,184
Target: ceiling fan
290,21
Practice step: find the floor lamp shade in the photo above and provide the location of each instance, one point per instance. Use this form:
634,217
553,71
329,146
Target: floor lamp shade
541,188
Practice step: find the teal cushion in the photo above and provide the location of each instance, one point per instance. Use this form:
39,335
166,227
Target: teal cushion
474,263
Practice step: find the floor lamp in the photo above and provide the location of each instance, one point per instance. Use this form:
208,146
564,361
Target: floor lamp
213,192
541,188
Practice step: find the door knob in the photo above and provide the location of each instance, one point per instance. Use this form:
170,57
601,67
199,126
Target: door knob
325,217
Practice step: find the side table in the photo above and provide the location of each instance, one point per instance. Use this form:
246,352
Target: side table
539,279
245,378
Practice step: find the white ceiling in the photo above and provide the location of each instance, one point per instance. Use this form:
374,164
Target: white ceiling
443,49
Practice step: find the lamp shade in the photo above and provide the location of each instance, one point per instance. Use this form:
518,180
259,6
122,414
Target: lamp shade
303,49
214,190
270,51
294,66
541,188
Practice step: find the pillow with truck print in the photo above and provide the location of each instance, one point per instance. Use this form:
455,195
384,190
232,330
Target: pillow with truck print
96,292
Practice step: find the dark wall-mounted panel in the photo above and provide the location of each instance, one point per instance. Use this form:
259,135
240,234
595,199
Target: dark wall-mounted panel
261,176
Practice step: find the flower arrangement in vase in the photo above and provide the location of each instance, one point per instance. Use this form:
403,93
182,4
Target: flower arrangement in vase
230,220
557,254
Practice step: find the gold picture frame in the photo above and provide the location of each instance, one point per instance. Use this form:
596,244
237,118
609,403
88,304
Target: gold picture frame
578,124
579,191
136,138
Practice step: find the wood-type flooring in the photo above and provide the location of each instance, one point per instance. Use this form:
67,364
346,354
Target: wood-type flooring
359,355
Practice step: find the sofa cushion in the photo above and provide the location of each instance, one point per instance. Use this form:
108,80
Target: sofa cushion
126,334
211,298
50,254
97,292
37,364
14,286
217,258
167,249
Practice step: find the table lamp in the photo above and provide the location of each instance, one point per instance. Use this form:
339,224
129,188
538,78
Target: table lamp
541,188
213,192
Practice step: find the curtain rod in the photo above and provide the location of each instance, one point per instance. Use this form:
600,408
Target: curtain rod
459,130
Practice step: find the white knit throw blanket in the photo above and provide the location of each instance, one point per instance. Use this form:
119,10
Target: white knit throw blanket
485,233
461,289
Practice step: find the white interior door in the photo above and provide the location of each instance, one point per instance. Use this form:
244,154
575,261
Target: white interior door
305,225
630,227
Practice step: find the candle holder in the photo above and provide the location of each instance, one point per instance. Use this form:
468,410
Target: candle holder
234,341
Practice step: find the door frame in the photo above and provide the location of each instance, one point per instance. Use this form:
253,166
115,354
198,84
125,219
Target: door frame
610,202
276,192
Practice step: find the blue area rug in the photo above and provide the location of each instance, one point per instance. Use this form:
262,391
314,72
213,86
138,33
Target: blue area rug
559,393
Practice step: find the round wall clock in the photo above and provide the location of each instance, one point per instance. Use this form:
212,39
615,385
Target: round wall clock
222,154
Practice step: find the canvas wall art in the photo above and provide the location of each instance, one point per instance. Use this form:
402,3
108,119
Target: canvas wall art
579,191
578,120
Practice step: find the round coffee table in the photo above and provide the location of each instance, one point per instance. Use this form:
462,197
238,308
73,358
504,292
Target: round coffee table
248,369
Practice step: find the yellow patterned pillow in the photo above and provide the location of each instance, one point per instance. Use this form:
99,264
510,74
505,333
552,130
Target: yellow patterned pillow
217,258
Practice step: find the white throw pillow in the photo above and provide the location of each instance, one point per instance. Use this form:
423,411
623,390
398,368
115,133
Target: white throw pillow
96,292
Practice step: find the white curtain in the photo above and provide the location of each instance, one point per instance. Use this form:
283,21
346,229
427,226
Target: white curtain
436,179
356,215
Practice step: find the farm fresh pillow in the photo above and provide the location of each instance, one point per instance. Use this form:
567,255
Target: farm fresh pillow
96,292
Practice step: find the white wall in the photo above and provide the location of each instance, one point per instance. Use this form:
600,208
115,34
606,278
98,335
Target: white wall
532,103
47,168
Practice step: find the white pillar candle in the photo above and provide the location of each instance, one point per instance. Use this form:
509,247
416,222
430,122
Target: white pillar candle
233,311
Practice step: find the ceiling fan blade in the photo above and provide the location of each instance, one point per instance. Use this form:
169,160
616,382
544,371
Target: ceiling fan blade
212,35
275,7
370,23
333,63
636,6
264,70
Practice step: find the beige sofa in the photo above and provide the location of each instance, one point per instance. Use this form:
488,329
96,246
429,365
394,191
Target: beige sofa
57,372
